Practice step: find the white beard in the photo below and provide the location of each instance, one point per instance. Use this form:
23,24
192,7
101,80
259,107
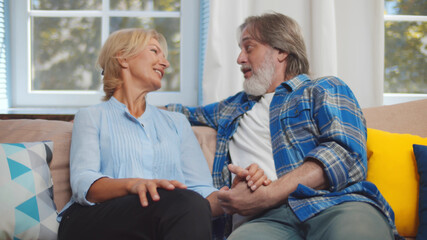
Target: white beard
261,80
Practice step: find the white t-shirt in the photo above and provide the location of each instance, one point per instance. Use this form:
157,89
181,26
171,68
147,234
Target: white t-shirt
251,143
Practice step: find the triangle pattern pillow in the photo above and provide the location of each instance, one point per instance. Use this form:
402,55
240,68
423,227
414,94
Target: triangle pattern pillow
27,209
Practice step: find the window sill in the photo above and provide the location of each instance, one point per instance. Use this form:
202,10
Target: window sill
63,114
395,98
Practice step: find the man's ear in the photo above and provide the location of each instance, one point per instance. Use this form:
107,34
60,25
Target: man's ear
282,55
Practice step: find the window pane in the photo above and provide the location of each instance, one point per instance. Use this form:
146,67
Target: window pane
64,52
405,57
146,5
170,28
406,7
66,5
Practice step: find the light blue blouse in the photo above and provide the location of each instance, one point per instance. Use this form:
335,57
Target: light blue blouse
107,141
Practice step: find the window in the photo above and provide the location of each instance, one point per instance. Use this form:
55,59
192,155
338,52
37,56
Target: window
55,45
4,54
405,62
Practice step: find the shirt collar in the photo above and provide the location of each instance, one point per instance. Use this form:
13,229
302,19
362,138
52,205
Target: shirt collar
294,83
117,104
252,98
142,119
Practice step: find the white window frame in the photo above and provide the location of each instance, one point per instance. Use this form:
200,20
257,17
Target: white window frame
23,97
394,98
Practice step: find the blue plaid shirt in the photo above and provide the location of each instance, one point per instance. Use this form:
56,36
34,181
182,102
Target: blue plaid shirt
318,119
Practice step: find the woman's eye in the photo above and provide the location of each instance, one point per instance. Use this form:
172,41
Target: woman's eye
154,50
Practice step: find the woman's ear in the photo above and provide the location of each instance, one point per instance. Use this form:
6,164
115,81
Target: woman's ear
122,61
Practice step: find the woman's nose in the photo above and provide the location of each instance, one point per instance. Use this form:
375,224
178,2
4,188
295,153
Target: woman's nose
164,62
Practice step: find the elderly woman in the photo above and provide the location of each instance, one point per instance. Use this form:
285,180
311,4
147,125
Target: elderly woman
137,172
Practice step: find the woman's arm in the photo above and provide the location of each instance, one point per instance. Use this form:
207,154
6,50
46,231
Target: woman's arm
85,160
194,166
88,183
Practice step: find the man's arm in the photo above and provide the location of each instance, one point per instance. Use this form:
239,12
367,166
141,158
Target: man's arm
242,200
342,135
198,116
337,161
210,115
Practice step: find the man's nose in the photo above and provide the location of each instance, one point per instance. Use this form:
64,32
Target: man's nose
241,59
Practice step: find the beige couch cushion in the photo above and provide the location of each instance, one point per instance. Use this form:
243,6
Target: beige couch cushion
15,131
207,139
407,117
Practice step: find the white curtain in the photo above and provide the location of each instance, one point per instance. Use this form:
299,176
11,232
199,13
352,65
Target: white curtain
344,38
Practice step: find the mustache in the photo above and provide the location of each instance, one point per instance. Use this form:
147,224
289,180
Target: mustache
246,67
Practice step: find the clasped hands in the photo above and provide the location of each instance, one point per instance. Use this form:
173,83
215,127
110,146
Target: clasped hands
248,194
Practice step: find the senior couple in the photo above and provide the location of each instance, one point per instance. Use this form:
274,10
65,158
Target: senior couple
290,160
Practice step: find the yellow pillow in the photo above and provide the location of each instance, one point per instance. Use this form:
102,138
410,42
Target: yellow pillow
393,169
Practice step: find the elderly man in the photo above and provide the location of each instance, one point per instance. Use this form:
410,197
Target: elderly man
309,137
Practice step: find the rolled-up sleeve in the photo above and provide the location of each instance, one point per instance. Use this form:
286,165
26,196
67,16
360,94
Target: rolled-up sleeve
342,140
84,156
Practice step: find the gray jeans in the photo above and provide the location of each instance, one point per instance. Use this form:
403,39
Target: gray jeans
352,220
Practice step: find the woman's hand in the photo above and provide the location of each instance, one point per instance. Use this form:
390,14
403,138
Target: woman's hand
253,175
142,186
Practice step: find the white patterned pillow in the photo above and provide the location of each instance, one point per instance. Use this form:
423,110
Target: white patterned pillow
27,210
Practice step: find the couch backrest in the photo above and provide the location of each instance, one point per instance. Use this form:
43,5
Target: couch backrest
409,117
26,130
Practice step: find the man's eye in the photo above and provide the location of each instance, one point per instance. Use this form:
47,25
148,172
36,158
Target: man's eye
154,50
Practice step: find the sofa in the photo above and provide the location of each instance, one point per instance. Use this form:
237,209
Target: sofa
406,119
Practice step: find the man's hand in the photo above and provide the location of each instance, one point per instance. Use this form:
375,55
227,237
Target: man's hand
242,200
252,175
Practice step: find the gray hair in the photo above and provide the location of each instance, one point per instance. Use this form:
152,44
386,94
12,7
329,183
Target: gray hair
282,33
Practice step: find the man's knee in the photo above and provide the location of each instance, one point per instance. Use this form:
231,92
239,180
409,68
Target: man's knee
263,230
354,220
277,223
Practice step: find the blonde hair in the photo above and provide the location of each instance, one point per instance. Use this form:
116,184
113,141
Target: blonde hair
125,43
283,33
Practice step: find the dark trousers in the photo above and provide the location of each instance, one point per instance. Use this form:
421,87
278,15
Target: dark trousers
180,214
